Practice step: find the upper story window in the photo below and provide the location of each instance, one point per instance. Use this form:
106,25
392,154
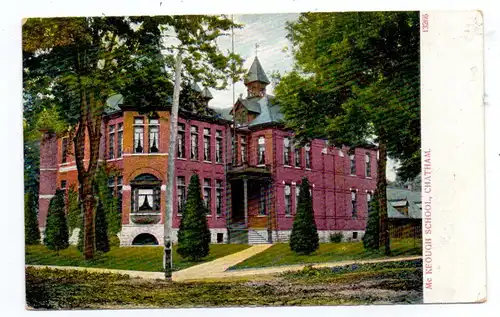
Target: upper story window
207,194
64,150
207,153
308,156
243,144
288,200
194,143
111,148
218,146
368,165
181,140
119,190
218,197
138,134
63,185
354,203
181,194
154,135
296,155
352,160
261,151
287,151
119,149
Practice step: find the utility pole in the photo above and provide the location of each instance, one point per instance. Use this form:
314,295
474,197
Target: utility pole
167,225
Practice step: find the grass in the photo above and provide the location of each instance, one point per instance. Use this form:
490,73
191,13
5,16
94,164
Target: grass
143,258
367,284
280,254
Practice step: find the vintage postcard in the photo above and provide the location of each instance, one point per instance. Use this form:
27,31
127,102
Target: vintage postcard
242,160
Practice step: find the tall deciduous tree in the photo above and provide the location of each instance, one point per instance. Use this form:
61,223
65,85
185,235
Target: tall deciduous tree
304,238
357,76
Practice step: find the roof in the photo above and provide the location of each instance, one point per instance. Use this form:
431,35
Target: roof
195,87
403,197
269,111
113,103
250,104
207,94
256,73
224,113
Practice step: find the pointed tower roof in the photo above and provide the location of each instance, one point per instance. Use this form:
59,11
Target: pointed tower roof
195,87
207,94
256,73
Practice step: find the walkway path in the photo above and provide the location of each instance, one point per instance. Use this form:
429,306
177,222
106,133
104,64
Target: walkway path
216,274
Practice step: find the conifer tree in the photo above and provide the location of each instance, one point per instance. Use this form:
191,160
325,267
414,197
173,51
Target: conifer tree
101,229
304,238
31,231
371,240
56,231
194,235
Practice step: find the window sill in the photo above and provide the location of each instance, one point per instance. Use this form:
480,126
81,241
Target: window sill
288,216
182,158
298,167
146,154
287,166
209,162
369,177
261,216
261,165
219,163
308,169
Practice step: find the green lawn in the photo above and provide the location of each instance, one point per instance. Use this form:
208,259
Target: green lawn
280,254
143,258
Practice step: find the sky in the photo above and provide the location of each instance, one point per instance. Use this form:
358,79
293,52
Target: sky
267,31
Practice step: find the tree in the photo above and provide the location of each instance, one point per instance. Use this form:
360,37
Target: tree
357,77
31,231
101,229
77,63
304,238
371,239
73,209
56,231
193,235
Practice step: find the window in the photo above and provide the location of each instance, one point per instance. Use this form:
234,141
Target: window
368,200
181,140
288,200
145,194
194,143
181,194
354,235
207,195
308,156
354,204
243,144
63,185
111,151
138,135
218,197
287,151
64,153
297,193
154,135
111,187
261,151
119,150
218,146
207,155
220,237
262,202
352,159
297,159
368,165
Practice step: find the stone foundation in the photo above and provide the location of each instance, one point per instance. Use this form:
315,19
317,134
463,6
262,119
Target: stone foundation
130,232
